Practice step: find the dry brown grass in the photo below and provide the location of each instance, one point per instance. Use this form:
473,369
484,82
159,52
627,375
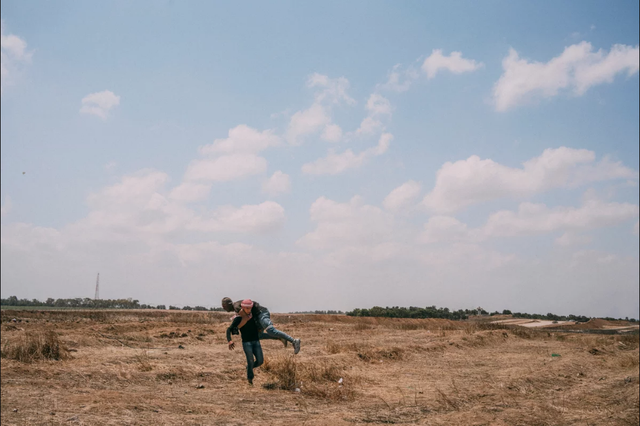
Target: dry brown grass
149,367
322,379
32,346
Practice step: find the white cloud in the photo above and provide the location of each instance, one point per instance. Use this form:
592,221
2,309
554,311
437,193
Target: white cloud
307,122
475,258
578,68
454,63
138,208
225,168
234,157
6,207
332,90
133,190
190,191
346,224
278,183
99,103
369,126
472,181
383,145
259,218
334,164
332,133
402,196
531,220
13,53
538,219
242,139
400,80
444,229
378,105
572,238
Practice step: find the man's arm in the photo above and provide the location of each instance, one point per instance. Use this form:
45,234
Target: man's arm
244,318
233,325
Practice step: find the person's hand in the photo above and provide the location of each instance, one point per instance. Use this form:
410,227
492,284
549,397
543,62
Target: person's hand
232,345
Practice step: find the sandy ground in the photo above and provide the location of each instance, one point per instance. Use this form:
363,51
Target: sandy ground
533,323
129,369
594,324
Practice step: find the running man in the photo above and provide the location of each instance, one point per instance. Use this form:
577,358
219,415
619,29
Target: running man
250,340
262,317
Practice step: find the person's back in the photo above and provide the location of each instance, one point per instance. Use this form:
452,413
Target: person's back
250,332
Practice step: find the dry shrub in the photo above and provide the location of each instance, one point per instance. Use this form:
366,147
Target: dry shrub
284,370
369,354
627,360
35,346
523,333
175,374
144,361
407,326
195,317
333,347
447,402
319,380
366,352
361,326
632,339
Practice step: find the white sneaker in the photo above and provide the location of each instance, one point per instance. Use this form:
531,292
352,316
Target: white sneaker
296,346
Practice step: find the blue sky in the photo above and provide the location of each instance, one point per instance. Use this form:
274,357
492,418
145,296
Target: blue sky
323,156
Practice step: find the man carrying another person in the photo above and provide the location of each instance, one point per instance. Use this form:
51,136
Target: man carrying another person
262,318
250,340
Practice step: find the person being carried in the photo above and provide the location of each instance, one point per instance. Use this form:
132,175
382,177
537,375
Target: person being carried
250,340
262,317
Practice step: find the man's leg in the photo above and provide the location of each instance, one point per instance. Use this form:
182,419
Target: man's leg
257,352
265,322
248,352
265,336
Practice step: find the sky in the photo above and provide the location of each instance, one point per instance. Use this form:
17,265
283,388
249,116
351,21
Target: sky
317,156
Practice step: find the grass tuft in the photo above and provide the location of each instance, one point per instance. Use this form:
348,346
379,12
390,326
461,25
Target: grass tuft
34,346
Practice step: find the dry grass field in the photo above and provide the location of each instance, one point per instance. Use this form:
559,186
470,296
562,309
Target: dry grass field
174,368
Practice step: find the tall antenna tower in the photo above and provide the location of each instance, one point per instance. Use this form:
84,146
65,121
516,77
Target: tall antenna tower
97,287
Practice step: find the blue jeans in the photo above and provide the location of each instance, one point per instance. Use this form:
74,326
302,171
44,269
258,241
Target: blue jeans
270,332
252,350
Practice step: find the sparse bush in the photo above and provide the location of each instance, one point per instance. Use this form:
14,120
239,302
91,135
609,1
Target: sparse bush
630,339
320,380
361,326
284,370
407,326
627,361
35,346
333,347
144,361
522,332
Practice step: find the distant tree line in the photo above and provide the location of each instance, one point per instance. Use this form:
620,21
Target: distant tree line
462,314
414,312
87,303
329,312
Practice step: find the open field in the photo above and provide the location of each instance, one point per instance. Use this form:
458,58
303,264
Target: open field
161,367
